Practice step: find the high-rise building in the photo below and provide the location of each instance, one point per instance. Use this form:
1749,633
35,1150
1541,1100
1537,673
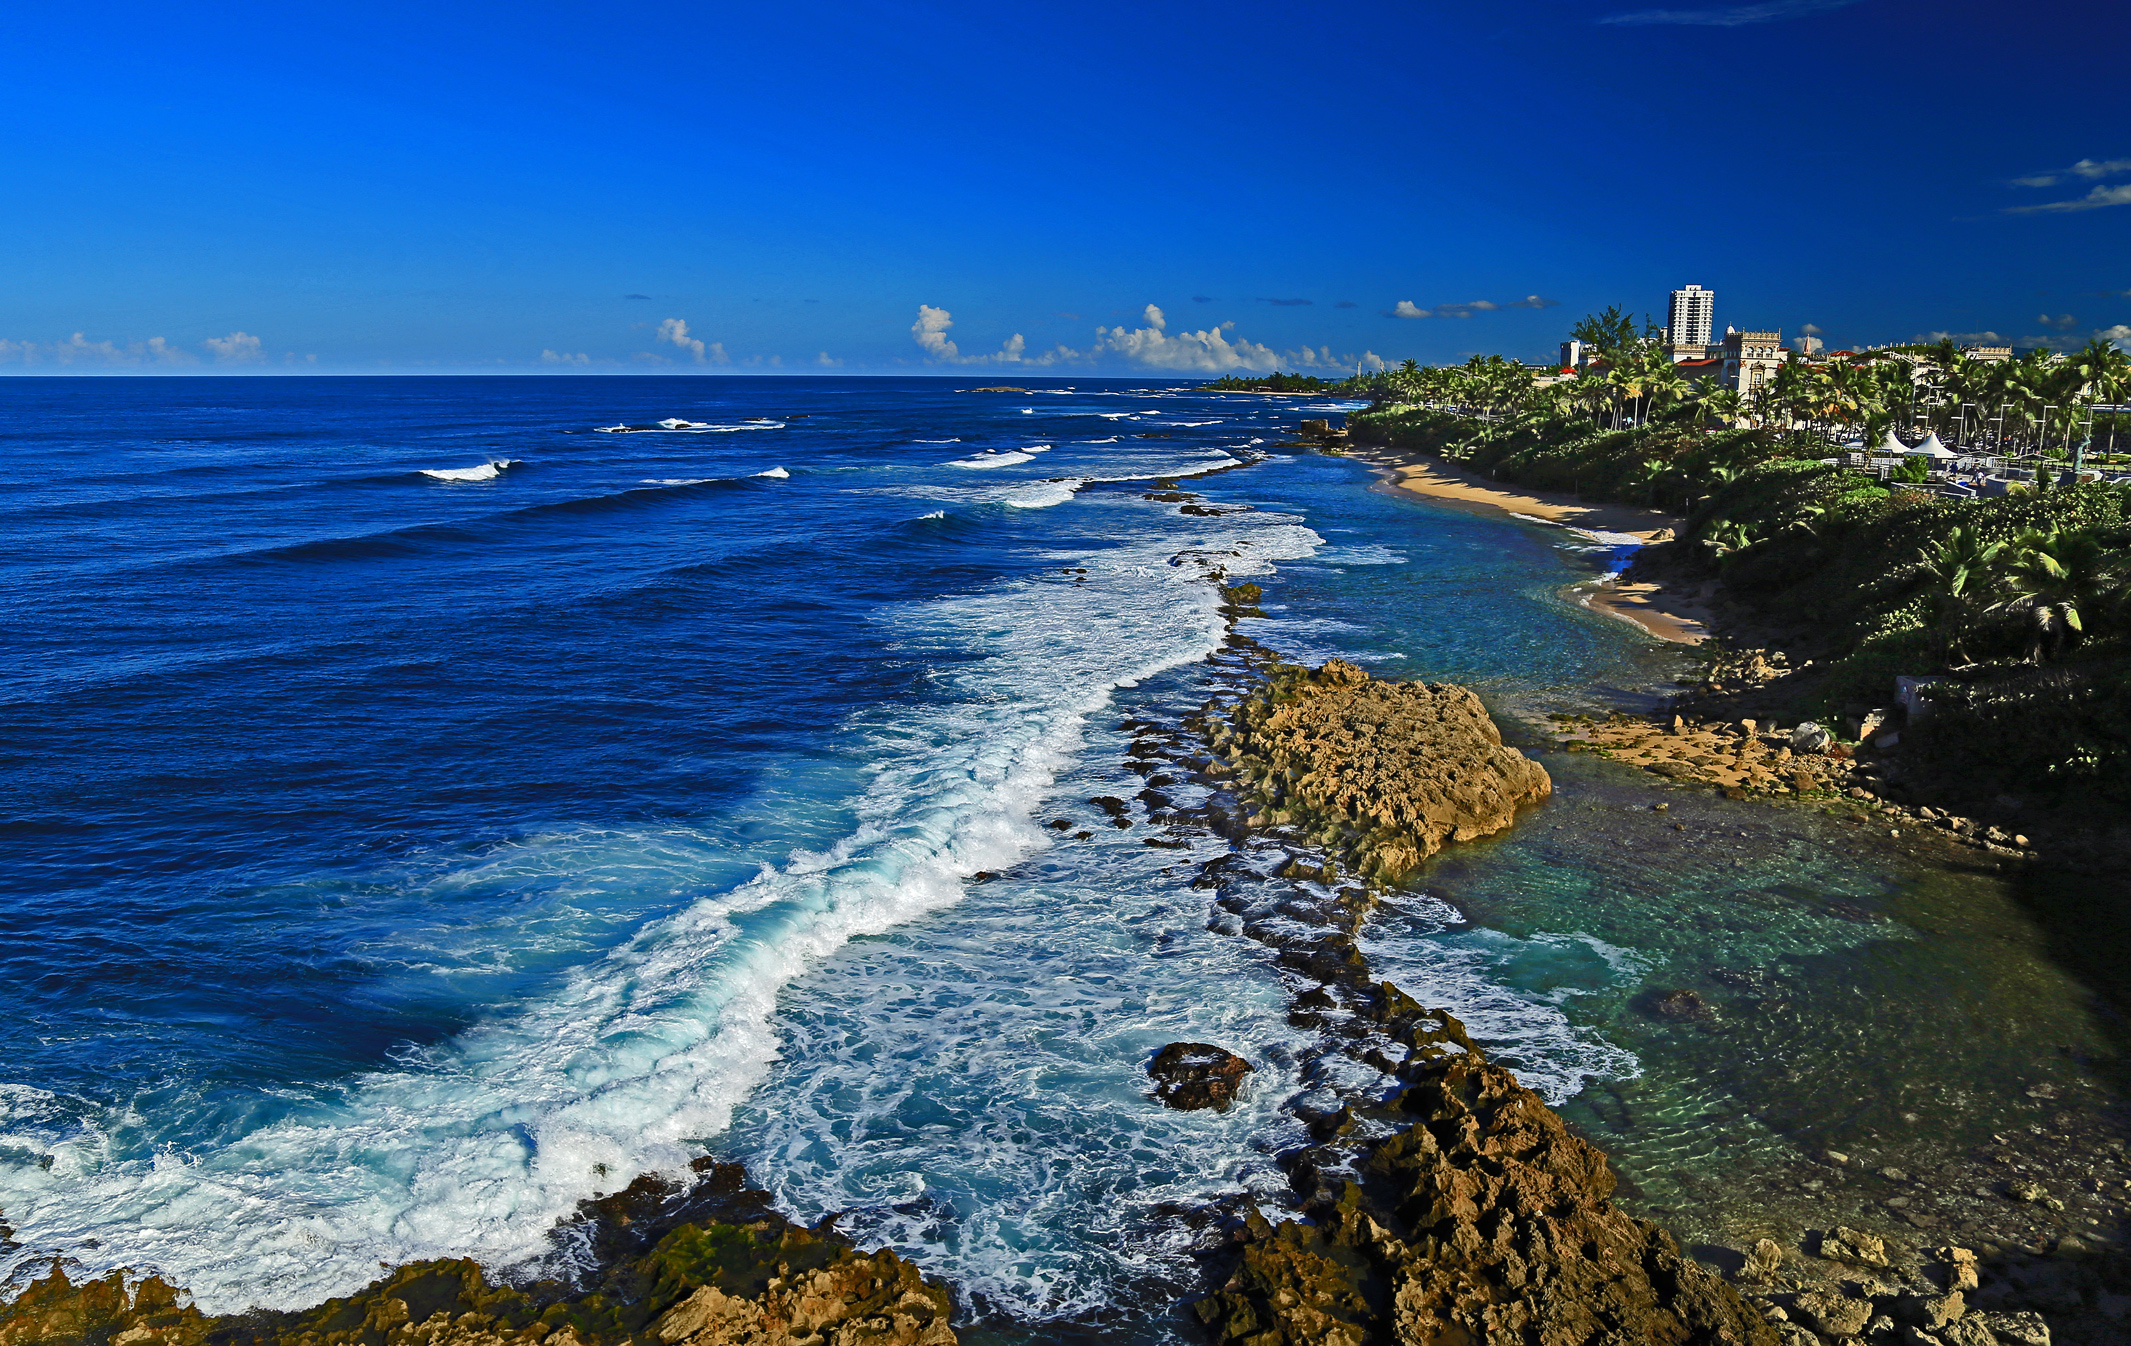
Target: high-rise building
1687,321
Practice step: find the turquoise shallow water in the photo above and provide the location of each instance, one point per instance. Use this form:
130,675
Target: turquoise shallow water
395,861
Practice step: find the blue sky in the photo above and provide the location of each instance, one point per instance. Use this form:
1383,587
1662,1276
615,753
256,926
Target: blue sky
904,187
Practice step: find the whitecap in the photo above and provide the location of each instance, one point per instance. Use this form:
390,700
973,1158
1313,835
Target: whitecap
1367,555
486,472
1044,494
777,472
990,458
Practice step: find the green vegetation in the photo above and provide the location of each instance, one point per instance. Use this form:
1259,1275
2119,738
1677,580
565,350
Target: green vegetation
2022,603
1277,383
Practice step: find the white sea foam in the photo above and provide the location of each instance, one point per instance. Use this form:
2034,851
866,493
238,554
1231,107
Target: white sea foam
486,472
956,440
679,481
1509,991
776,472
1044,494
477,1146
1605,539
674,425
990,458
1368,554
936,514
1111,440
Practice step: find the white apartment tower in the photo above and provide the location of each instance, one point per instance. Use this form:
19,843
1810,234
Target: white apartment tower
1687,322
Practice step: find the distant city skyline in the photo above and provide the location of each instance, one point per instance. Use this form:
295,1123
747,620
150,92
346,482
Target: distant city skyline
958,188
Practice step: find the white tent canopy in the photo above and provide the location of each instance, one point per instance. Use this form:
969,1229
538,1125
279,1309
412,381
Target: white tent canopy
1930,448
1893,446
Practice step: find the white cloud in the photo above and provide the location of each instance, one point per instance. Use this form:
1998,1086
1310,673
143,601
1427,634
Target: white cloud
1731,16
564,358
1372,362
2085,168
824,360
1533,301
2119,195
2120,334
1408,309
675,330
1308,359
79,350
238,348
1208,351
930,332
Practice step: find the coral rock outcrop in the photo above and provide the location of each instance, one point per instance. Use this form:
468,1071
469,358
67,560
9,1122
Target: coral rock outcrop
1483,1223
1383,772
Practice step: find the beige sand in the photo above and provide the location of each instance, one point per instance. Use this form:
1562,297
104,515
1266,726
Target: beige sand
1668,616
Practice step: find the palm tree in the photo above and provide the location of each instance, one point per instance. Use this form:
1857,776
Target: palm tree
2058,580
2104,372
1958,566
1730,535
1725,404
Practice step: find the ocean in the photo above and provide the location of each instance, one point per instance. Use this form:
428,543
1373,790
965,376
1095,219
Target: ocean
424,811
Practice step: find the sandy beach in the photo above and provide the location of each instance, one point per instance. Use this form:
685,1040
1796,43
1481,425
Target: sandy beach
1678,617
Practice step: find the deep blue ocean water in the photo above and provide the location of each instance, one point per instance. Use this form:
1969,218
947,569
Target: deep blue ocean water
397,848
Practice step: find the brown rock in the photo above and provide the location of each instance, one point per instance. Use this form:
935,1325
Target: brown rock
1191,1075
1835,1315
1485,1221
1765,1259
1848,1245
1391,771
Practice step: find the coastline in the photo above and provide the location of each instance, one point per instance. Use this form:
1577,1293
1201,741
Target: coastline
1677,617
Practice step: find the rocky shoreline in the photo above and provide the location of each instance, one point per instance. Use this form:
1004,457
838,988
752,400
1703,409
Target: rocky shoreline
702,1263
1438,1200
2016,1266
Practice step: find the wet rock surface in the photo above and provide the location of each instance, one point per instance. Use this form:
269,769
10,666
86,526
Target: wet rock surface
702,1264
1191,1075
